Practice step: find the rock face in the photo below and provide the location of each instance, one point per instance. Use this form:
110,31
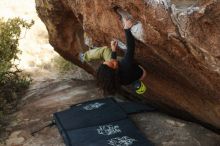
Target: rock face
178,45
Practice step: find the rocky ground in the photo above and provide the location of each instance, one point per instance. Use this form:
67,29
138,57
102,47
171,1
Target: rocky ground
50,95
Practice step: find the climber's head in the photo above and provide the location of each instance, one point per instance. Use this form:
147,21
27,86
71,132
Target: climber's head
113,63
107,78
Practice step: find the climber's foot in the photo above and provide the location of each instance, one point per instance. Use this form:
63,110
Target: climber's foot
124,16
81,57
139,87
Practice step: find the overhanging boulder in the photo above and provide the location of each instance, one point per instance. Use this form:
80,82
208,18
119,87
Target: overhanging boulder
179,46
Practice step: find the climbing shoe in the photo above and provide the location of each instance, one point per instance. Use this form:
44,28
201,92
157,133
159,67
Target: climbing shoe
123,14
139,87
81,57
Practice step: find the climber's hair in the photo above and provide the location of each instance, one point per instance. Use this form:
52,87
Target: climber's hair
107,79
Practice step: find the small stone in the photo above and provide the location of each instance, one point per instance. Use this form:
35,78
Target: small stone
175,123
13,124
14,139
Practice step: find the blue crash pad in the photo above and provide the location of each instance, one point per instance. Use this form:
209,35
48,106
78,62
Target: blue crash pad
101,122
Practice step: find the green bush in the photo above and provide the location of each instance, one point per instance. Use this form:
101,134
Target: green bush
12,80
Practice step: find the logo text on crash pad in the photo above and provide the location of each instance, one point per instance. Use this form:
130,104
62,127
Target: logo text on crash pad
93,106
108,129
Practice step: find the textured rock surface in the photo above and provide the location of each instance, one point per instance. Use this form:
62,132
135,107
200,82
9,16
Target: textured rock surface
180,48
50,95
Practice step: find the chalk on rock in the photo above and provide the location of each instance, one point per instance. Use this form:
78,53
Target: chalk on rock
137,31
121,45
88,40
155,3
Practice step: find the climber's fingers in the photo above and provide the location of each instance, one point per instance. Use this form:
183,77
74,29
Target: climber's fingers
114,45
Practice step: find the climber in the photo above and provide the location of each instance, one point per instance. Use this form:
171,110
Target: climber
112,73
